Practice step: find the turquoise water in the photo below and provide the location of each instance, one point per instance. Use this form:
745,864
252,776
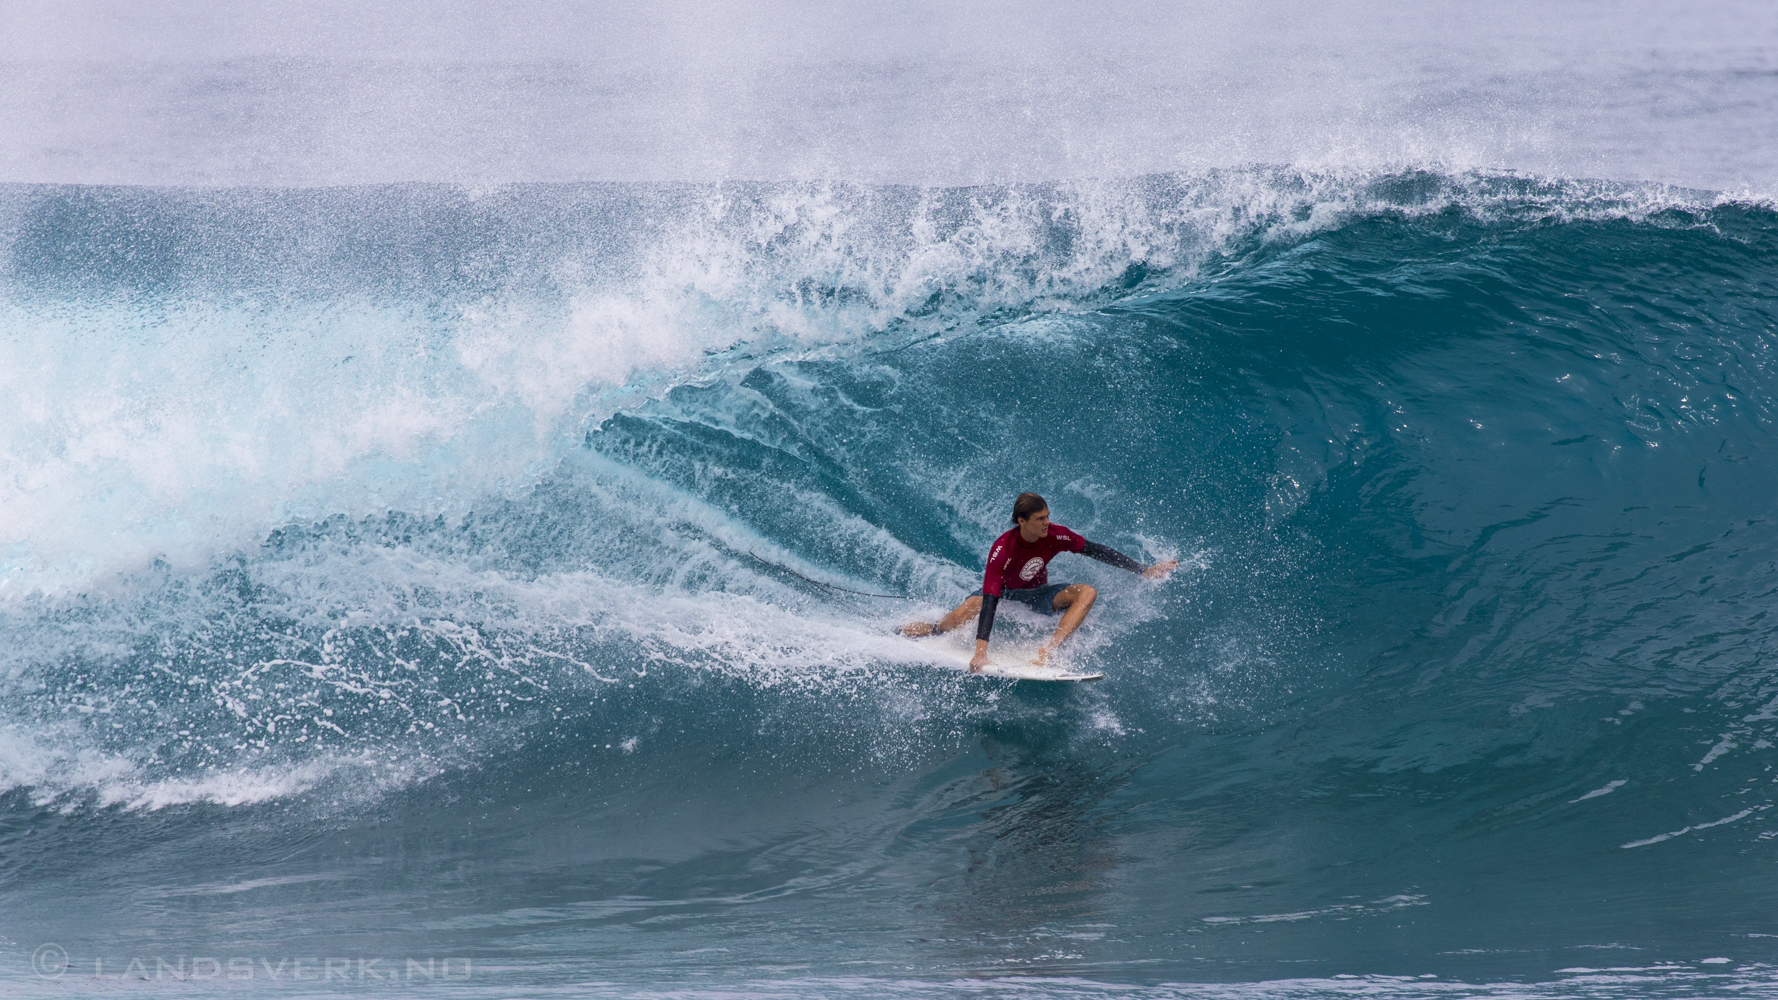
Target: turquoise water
403,573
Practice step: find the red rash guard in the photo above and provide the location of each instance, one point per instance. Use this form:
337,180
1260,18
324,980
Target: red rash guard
1015,564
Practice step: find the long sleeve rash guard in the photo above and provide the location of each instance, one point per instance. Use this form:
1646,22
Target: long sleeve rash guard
1015,564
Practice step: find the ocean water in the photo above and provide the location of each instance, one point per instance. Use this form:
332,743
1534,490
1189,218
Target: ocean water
470,589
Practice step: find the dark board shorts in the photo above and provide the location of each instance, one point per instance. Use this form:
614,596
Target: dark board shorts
1039,599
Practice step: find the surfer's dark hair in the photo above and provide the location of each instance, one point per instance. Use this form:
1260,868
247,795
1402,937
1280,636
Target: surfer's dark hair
1026,505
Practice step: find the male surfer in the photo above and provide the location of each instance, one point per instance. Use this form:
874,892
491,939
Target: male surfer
1018,569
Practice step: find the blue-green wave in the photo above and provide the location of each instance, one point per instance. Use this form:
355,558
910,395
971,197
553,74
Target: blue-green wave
403,572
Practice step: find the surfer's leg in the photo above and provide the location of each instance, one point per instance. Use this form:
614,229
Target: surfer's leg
964,612
1078,600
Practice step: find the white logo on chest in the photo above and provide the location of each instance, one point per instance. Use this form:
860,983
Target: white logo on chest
1032,568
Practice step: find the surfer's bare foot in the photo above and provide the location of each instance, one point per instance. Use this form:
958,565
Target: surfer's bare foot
915,630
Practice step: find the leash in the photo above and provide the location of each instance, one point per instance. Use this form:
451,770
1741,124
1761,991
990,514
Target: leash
829,586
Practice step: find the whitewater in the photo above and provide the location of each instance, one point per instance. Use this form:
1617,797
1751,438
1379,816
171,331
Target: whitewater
451,460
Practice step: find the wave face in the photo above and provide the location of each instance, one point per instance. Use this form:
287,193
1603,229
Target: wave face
411,572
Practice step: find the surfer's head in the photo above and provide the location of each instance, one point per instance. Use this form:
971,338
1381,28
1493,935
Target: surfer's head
1032,515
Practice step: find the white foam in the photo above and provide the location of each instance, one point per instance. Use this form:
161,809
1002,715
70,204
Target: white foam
1340,911
182,443
50,761
1658,838
226,787
1605,789
62,770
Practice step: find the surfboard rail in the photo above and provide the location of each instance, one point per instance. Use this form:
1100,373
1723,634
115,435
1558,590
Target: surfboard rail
1032,672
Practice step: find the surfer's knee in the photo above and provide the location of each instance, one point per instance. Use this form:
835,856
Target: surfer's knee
1084,594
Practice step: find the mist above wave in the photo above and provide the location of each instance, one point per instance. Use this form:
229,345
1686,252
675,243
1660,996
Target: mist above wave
929,94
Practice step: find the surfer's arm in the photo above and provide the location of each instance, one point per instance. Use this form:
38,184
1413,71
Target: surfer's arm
993,578
1112,557
984,622
984,626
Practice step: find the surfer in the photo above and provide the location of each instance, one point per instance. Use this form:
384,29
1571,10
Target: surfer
1018,569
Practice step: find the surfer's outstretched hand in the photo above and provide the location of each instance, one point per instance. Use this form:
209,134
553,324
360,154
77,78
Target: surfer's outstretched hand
1161,569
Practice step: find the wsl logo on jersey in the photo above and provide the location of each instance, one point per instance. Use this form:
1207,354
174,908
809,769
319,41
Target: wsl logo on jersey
1033,566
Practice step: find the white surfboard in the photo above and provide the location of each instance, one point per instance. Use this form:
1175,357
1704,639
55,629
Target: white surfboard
1032,672
1014,663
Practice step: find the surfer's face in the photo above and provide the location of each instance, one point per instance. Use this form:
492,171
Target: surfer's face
1036,526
